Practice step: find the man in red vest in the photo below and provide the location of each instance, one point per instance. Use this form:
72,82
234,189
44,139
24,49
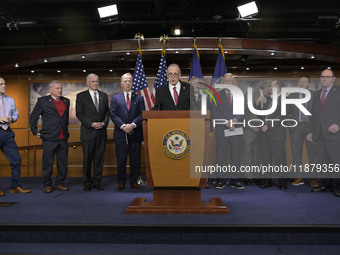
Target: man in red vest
54,110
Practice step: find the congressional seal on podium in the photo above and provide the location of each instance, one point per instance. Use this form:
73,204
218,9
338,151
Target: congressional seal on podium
176,144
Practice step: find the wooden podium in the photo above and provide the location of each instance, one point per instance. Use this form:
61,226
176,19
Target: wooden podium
176,185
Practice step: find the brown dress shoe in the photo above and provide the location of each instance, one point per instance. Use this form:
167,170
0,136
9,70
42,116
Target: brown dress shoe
136,186
61,187
19,190
120,187
48,189
2,193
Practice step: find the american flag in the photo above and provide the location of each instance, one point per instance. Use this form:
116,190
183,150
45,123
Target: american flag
161,77
140,86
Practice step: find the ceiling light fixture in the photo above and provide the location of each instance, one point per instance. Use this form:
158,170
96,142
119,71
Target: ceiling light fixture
45,60
108,11
177,31
16,65
248,10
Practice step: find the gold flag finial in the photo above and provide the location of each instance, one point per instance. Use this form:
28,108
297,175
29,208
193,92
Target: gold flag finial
139,37
164,39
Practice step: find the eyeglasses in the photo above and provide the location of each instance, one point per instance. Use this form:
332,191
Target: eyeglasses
326,77
174,75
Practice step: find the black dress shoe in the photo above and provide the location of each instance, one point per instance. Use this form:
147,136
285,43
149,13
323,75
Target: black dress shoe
265,185
320,189
120,187
98,187
87,188
136,186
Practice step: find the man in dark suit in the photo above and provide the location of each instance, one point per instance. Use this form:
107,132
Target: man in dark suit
298,134
325,127
225,112
54,110
176,95
92,110
126,113
252,134
273,144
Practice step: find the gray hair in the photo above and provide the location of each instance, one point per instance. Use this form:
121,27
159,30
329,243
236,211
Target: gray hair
173,64
52,82
89,76
125,75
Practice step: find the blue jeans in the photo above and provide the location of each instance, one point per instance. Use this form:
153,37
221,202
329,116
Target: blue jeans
10,149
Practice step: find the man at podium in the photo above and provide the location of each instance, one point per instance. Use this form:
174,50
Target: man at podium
176,95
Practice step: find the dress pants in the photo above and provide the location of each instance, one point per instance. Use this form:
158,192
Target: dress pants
50,150
122,151
328,153
10,149
94,153
235,158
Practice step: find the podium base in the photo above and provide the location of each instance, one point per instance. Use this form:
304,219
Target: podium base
140,206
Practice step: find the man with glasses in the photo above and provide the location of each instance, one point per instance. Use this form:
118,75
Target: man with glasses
325,126
176,95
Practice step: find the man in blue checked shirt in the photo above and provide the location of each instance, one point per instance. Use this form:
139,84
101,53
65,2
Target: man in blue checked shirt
9,114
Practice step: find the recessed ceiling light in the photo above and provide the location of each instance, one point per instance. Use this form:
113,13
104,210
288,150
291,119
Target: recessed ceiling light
127,53
177,31
45,60
84,71
312,56
302,68
32,71
16,65
83,56
176,51
273,53
58,71
247,68
111,70
275,68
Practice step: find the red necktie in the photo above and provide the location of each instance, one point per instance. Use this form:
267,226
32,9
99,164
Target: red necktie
323,97
175,96
127,101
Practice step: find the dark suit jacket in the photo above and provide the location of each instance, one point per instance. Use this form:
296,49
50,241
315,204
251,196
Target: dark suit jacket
223,112
276,131
87,114
51,120
323,117
121,115
164,99
293,112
